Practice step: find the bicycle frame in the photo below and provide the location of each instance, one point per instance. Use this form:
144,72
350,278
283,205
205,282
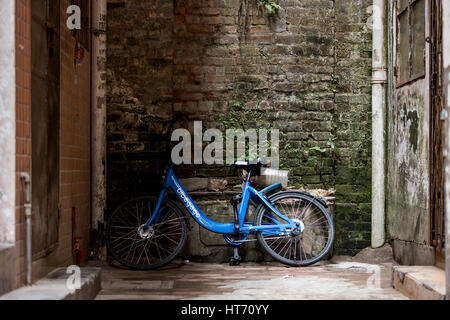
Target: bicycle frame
172,182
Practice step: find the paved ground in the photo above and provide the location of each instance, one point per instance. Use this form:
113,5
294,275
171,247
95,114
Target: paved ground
341,278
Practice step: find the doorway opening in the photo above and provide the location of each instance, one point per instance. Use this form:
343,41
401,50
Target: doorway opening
45,111
437,231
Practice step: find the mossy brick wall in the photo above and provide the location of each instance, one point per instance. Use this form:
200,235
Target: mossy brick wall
305,71
140,94
352,124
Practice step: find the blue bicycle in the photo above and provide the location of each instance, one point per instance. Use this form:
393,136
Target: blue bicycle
293,227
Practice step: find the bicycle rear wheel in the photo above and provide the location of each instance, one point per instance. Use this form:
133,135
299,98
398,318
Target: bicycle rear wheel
302,248
137,247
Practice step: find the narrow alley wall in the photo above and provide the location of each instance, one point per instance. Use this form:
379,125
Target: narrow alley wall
305,71
74,145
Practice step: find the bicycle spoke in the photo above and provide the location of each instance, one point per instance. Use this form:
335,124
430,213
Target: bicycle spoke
302,248
146,255
133,247
295,248
321,218
126,220
160,246
167,237
123,234
305,209
290,248
142,251
120,243
298,208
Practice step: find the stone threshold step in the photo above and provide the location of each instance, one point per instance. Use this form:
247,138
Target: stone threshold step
55,286
420,282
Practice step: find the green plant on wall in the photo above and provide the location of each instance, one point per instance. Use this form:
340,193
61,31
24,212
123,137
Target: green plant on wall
271,6
238,117
263,55
319,156
318,159
334,81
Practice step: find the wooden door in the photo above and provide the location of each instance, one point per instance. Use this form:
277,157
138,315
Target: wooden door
437,234
45,76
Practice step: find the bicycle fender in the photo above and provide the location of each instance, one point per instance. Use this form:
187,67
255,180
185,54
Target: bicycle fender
321,200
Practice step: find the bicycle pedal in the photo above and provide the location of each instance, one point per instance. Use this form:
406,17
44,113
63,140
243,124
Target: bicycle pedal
235,262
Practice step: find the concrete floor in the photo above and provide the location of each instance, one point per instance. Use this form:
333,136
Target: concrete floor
340,278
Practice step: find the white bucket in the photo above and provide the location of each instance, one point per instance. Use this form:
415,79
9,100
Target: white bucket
269,177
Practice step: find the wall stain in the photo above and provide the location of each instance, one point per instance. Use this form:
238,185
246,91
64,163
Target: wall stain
413,129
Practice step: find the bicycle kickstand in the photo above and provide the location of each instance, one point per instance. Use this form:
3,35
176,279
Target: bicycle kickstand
236,259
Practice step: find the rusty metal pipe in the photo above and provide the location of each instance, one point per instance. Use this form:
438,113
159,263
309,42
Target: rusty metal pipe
25,178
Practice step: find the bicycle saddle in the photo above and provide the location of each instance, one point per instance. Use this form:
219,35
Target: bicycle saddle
254,165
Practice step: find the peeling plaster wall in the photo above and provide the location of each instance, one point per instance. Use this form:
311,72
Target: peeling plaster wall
7,122
408,179
407,206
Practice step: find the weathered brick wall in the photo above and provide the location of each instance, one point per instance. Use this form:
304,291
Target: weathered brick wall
305,71
352,124
75,142
140,97
74,175
23,125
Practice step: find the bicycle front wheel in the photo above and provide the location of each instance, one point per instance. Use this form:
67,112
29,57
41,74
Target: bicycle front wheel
296,248
138,247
